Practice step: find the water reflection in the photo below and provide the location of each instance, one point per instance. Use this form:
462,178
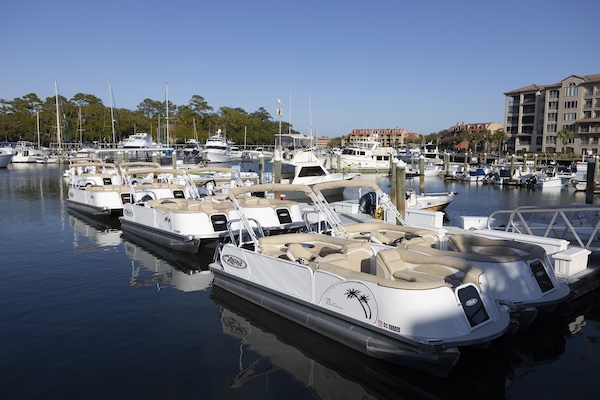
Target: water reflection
92,234
153,265
270,343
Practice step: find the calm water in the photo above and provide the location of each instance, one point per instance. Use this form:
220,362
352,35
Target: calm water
89,314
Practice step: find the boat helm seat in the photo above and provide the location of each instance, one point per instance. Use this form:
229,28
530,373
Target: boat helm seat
298,253
393,238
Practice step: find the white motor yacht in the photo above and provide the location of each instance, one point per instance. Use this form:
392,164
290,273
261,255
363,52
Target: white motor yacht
138,141
27,152
366,154
217,149
304,168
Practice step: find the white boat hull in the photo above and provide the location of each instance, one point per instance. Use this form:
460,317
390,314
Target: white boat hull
374,314
216,157
184,224
364,340
5,159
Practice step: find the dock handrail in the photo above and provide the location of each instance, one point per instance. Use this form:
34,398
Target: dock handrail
579,224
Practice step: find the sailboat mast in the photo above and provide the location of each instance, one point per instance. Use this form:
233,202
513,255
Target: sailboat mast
310,120
80,127
290,118
167,107
58,135
112,115
38,129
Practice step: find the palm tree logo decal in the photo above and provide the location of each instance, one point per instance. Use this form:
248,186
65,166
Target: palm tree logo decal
362,299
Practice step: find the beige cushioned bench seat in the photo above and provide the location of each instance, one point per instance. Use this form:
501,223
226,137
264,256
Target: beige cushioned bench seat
191,206
381,232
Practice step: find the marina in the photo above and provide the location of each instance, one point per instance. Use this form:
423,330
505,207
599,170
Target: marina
97,313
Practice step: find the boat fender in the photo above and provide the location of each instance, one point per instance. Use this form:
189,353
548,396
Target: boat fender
379,213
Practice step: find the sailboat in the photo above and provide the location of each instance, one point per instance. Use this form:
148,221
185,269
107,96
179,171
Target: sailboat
44,158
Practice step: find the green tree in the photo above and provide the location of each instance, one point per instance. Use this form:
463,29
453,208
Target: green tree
199,105
565,136
499,137
151,108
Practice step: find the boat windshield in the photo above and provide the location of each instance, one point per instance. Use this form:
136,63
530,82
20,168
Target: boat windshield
312,171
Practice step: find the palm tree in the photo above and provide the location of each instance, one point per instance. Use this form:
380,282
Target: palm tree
565,136
500,137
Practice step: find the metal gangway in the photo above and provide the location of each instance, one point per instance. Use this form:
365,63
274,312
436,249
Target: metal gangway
579,224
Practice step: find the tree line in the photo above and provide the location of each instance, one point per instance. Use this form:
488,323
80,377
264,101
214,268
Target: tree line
85,119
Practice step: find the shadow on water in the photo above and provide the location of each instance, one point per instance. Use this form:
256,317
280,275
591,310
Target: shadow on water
271,343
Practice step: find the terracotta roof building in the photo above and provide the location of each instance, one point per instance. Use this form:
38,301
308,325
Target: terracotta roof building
457,131
385,136
535,114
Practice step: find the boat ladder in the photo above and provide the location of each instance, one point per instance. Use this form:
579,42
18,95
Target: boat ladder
579,224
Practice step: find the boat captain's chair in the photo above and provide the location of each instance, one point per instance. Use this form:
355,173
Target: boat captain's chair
298,253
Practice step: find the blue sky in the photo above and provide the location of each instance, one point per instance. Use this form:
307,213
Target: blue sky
336,65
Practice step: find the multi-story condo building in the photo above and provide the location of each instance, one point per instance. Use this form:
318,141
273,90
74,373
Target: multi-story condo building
535,116
322,141
385,136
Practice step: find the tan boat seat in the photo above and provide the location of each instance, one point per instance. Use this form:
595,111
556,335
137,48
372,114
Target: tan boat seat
300,254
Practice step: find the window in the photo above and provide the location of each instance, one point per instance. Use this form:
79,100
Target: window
551,128
552,117
571,90
571,104
588,103
553,94
589,91
553,105
527,120
311,171
587,114
569,116
551,140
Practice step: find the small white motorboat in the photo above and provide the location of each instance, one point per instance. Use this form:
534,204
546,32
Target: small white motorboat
86,172
142,183
389,303
6,156
184,224
302,167
520,275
